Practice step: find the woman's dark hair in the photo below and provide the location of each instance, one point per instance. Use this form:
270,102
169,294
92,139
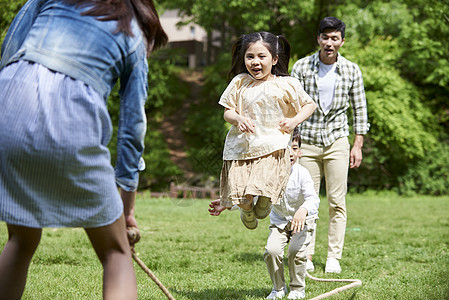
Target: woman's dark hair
333,23
277,45
124,11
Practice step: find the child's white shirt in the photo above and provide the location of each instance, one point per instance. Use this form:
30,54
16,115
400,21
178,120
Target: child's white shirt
300,192
266,103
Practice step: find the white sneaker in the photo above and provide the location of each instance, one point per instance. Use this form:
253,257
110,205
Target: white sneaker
309,266
276,294
296,295
332,266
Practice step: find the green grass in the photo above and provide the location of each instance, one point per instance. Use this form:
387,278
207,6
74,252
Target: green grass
398,247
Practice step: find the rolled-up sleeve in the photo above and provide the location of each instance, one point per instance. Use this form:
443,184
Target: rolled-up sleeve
358,103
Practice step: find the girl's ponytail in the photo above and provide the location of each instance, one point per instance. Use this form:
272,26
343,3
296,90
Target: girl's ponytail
283,52
237,65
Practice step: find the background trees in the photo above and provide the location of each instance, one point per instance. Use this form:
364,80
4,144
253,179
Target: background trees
401,47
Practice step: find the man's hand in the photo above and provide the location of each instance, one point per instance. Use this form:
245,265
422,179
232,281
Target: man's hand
356,152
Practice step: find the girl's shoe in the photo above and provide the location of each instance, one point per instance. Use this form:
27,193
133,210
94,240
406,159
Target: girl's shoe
248,218
262,208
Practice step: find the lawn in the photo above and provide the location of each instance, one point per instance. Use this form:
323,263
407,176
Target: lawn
397,246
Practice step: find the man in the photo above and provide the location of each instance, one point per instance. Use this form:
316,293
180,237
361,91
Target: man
335,84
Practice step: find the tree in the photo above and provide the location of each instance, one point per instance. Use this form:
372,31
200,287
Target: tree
8,9
402,50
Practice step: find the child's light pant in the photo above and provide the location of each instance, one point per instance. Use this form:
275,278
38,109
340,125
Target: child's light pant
332,162
297,255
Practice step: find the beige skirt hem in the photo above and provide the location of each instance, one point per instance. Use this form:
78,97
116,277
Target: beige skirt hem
263,176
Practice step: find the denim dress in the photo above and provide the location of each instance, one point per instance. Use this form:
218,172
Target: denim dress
57,69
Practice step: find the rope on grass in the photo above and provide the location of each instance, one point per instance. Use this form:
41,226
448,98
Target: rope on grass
353,283
134,237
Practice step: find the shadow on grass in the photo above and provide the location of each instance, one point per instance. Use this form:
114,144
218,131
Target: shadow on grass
224,293
248,257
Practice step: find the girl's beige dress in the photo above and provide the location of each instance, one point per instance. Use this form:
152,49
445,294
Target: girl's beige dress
258,163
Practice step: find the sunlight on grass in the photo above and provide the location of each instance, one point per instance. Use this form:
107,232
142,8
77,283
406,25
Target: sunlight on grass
398,247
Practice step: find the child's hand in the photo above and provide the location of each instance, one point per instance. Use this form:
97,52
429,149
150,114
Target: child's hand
215,208
245,124
299,220
287,125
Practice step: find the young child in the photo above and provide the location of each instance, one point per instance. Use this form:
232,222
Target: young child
263,104
292,220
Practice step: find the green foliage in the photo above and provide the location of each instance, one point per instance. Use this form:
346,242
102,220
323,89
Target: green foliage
159,168
429,175
403,130
8,10
163,80
166,92
205,128
426,41
401,47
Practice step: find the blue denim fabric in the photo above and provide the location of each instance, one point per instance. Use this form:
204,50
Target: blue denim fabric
54,34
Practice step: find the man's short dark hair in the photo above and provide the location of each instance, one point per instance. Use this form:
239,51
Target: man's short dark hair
334,23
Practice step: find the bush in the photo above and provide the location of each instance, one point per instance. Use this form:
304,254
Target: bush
403,129
205,128
429,175
163,80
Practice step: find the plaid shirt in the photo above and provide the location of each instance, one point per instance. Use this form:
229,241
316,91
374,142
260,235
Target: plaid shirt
323,130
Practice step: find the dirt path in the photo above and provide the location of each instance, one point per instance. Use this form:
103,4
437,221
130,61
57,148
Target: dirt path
172,126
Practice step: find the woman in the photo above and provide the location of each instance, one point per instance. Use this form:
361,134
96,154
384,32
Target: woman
60,60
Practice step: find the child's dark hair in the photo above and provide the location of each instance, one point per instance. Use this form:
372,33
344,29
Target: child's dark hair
334,23
277,45
296,137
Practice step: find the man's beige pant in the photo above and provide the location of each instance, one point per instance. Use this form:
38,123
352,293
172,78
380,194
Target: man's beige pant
297,255
332,162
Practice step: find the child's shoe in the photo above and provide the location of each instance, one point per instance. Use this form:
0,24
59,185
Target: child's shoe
296,295
332,266
248,218
262,208
277,294
309,266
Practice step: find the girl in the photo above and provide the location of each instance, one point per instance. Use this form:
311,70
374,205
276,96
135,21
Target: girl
60,60
263,105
